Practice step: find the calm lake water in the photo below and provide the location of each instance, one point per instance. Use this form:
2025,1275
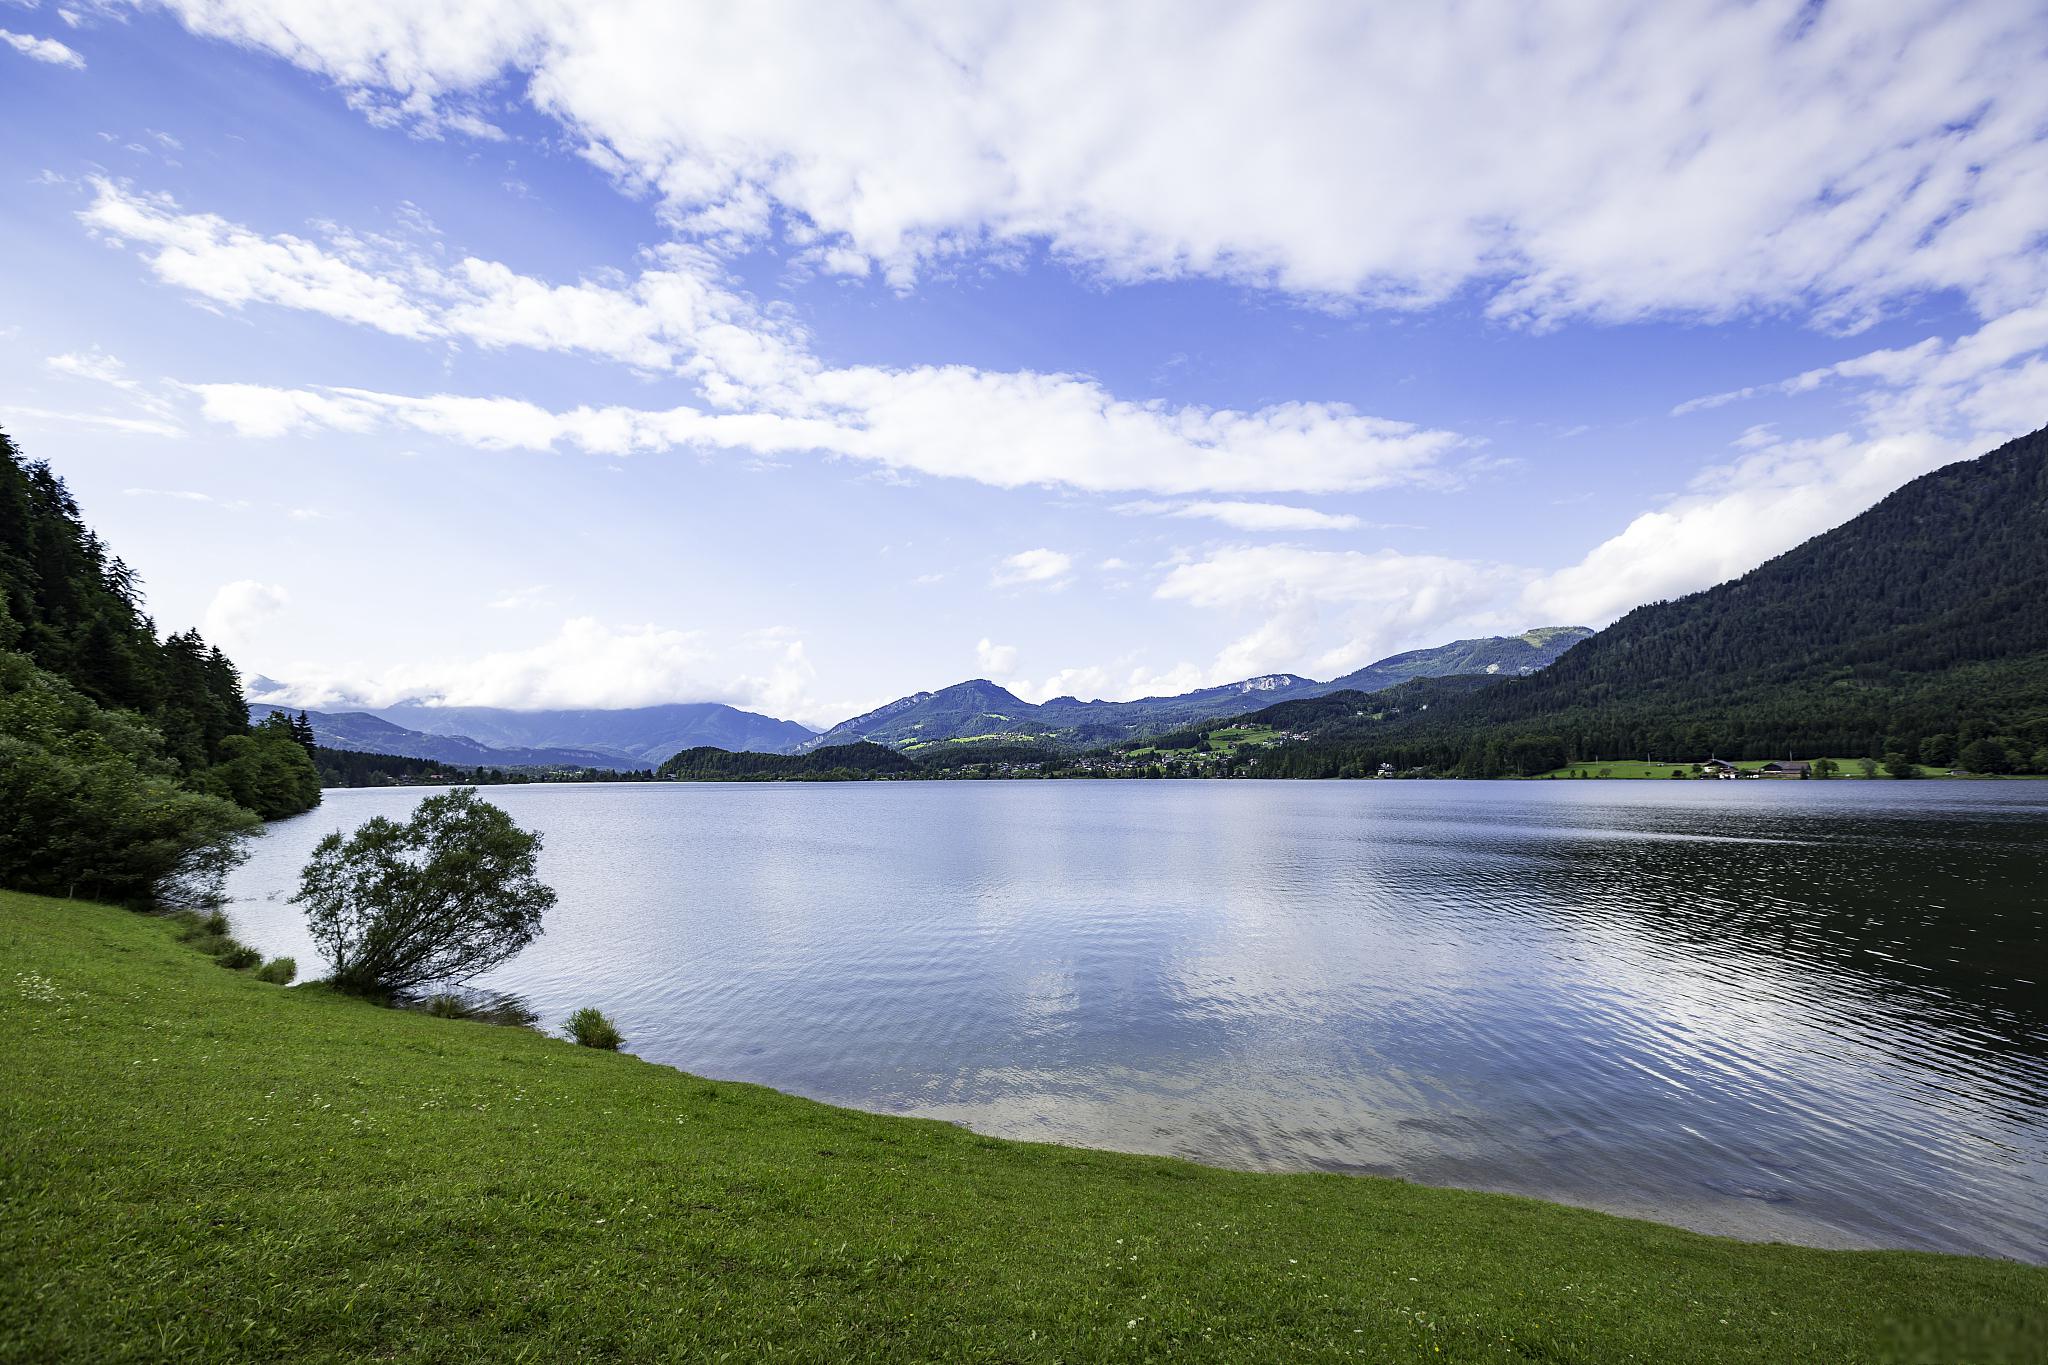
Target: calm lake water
1801,1011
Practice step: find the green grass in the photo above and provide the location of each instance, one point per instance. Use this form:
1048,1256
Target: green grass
196,1165
1231,737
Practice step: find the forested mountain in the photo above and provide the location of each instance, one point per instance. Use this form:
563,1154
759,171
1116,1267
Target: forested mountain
1918,628
122,756
370,734
835,763
978,707
1513,656
981,710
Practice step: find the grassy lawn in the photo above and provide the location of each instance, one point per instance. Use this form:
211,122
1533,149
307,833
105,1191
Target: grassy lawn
195,1165
1231,737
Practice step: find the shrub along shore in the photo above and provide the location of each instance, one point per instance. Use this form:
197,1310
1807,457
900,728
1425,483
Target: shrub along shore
195,1164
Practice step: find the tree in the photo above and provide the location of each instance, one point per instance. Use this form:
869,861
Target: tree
1825,767
1897,764
1984,756
1868,766
1938,751
91,806
448,894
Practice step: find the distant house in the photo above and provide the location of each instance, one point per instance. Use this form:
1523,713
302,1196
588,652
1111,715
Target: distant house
1718,767
1788,768
1386,770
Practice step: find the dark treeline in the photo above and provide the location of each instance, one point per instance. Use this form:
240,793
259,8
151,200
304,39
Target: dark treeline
835,763
348,768
124,758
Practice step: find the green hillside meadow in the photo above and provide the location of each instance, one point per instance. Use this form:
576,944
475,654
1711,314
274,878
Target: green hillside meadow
198,1166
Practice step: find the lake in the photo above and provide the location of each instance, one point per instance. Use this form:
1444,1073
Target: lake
1808,1011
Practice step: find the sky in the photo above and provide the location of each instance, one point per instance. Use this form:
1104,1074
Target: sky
799,356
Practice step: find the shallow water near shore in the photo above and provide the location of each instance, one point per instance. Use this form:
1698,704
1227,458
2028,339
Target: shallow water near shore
1807,1011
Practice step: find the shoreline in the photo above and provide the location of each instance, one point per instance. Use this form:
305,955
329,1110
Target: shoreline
310,1174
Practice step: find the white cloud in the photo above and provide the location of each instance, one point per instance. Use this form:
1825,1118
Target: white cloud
1009,431
590,663
176,494
238,611
43,50
1325,611
1823,158
97,421
232,265
772,395
1919,407
93,364
994,659
1738,516
1043,567
1250,516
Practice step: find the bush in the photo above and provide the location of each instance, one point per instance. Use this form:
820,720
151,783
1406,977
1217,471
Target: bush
239,957
279,971
448,894
591,1029
91,806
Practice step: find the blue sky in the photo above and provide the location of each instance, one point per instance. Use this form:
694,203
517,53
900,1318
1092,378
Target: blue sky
605,354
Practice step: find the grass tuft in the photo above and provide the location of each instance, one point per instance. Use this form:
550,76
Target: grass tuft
589,1028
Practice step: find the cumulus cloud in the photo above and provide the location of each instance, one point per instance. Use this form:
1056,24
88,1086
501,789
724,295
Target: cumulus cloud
993,659
1825,158
1326,611
1041,567
47,50
238,611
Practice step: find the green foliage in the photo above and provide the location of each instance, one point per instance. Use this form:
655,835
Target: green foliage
589,1028
126,769
279,971
1985,756
1897,764
835,763
296,1175
448,894
267,770
239,957
90,804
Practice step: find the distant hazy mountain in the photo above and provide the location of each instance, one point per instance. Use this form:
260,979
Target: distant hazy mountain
368,734
643,735
981,710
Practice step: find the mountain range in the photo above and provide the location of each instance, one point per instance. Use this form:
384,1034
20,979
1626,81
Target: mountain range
979,709
644,737
489,736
